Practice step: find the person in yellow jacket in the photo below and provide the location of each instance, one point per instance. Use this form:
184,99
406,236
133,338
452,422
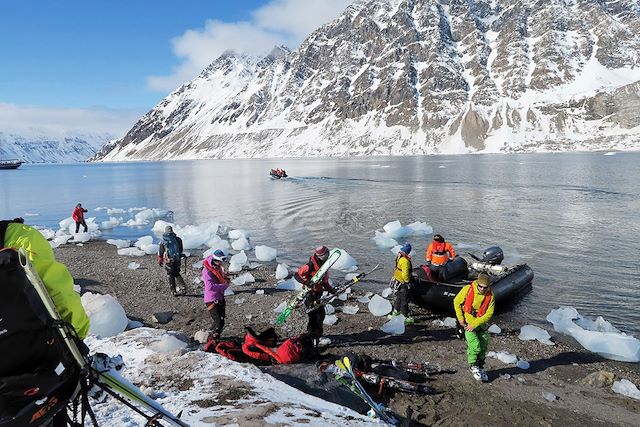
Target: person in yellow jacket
401,282
474,306
54,275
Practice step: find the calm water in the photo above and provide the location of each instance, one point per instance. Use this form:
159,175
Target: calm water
572,217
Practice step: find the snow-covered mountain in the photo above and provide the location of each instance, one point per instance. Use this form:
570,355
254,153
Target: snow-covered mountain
51,147
415,77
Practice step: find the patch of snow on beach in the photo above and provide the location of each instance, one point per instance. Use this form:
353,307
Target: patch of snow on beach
183,382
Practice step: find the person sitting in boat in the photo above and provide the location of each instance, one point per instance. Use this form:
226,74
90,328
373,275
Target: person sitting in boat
474,306
401,282
438,254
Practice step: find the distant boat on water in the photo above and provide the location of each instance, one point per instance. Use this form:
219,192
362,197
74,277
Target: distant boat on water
10,164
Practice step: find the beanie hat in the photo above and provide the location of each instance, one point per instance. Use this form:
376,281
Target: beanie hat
483,279
406,249
218,255
438,238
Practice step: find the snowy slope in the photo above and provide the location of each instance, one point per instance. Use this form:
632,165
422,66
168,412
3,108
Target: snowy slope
415,77
51,147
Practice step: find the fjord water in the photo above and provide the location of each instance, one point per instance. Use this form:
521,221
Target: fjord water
572,217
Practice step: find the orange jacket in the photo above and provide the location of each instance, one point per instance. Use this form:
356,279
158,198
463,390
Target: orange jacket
439,253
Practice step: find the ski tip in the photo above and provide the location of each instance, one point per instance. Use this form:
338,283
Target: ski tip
340,365
346,362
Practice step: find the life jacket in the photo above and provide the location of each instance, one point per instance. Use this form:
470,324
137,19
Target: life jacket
440,252
171,248
217,271
307,271
256,349
38,374
468,303
398,272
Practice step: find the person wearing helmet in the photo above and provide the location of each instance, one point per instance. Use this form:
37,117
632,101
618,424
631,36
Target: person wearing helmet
216,282
438,254
303,276
401,282
474,306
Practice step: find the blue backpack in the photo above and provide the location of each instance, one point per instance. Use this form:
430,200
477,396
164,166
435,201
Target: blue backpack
171,249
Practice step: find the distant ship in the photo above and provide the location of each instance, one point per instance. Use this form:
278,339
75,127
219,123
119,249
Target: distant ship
10,164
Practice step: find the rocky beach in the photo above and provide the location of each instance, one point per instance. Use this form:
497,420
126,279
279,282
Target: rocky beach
564,384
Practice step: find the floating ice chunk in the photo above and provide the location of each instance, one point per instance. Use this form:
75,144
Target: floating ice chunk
385,293
228,292
280,308
289,285
238,234
363,299
265,253
260,292
602,339
119,243
133,266
626,388
115,211
395,230
167,344
330,319
239,258
111,223
531,332
549,396
495,329
350,309
504,357
345,263
379,306
143,241
383,241
396,249
106,315
131,252
522,364
395,326
214,243
241,244
282,271
329,309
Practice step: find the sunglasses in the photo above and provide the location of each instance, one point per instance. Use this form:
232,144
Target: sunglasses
482,287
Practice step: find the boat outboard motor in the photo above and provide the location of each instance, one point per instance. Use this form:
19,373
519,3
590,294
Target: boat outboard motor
493,255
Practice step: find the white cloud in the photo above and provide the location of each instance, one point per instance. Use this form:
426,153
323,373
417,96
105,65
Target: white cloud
279,22
51,122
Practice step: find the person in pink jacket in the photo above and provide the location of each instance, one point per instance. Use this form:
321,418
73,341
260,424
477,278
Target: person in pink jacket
215,283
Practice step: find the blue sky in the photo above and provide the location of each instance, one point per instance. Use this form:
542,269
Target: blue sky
126,55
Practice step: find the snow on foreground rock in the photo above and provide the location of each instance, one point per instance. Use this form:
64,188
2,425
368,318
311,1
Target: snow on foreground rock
209,389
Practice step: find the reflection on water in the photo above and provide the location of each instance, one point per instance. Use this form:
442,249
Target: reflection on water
572,217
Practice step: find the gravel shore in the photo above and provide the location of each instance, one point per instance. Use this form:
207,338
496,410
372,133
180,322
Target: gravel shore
511,397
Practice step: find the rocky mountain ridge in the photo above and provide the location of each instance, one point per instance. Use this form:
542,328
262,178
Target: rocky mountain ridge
45,147
405,77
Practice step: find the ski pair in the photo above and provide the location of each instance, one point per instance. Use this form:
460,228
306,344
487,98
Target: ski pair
378,408
414,367
107,379
341,289
297,300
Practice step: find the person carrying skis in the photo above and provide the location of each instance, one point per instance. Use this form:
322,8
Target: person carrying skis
78,216
169,256
303,276
474,306
401,282
216,282
31,351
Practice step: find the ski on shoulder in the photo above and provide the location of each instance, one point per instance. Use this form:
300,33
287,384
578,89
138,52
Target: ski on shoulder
297,300
341,289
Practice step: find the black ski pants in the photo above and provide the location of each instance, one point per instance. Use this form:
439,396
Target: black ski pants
217,311
81,223
401,301
316,317
173,271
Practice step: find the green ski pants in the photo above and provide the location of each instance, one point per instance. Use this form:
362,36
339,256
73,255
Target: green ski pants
477,343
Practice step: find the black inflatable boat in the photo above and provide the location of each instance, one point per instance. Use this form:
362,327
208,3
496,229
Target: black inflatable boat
436,289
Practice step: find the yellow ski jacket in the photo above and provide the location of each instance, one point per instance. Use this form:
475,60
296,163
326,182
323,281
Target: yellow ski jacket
478,298
54,275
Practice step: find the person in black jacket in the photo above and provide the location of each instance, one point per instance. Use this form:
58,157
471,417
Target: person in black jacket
170,256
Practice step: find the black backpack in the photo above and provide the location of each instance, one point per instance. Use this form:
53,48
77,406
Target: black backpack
38,375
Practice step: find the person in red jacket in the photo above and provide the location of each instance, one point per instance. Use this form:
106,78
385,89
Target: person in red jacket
78,217
304,275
